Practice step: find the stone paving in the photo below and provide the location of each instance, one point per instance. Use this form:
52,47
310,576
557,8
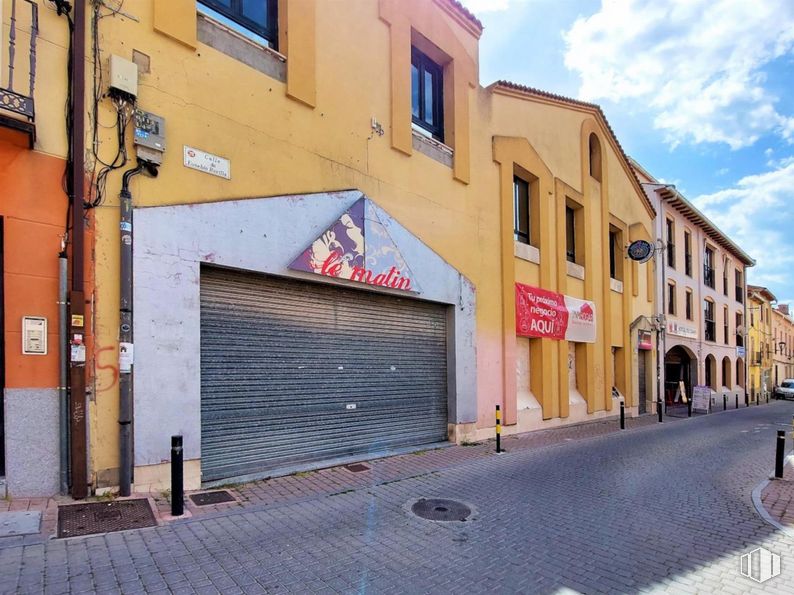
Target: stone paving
661,508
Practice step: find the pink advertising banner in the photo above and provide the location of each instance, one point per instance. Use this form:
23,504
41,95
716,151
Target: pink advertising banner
547,314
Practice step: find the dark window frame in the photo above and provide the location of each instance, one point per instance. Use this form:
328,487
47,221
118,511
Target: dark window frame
709,322
670,243
726,325
709,269
523,236
688,304
268,31
672,306
687,253
570,234
423,64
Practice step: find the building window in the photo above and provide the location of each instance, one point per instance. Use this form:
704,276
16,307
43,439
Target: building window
688,304
688,253
427,103
615,254
521,210
725,266
257,16
708,268
739,287
671,299
725,325
570,234
710,324
595,156
739,336
670,243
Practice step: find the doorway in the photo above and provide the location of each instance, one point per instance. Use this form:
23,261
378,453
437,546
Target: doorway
642,357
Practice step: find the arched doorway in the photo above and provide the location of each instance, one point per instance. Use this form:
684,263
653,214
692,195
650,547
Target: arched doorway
711,372
680,374
740,372
726,372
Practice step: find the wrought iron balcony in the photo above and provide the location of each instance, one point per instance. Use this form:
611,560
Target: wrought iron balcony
17,109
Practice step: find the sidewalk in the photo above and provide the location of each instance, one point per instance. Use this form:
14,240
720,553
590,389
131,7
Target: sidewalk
335,480
778,497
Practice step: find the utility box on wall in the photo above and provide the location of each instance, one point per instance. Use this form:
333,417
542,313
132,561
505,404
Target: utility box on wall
34,335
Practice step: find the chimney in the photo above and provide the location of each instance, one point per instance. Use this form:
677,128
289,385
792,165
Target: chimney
783,308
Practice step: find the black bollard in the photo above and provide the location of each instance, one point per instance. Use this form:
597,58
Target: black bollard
689,408
177,477
724,402
737,401
498,430
659,410
781,447
622,416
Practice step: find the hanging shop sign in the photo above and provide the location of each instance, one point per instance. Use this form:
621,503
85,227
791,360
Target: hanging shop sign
358,247
740,352
542,313
681,330
644,340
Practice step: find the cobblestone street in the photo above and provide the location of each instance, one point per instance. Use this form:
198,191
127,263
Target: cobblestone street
658,508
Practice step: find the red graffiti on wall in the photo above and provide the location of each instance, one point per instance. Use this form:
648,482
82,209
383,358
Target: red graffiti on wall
114,368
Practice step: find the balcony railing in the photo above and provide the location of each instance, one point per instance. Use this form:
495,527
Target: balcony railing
708,275
17,110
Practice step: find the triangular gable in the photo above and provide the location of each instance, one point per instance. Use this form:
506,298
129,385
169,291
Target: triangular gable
358,247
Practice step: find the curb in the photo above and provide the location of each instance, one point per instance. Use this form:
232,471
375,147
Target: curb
761,509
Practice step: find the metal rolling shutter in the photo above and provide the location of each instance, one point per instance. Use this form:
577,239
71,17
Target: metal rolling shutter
281,360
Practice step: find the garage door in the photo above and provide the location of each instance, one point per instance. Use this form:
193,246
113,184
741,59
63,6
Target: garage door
295,373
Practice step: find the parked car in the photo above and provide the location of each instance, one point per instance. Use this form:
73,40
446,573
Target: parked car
786,389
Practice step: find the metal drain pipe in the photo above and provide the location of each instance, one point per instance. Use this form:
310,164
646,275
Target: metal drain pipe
63,368
126,352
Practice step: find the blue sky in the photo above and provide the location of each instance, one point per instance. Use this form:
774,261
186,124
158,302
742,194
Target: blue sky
699,92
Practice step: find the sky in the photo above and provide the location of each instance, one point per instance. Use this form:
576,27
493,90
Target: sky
699,92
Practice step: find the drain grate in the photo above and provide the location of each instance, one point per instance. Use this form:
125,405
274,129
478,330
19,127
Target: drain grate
104,517
216,497
357,467
439,509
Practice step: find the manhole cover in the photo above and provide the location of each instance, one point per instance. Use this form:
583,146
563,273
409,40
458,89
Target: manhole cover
207,498
439,509
357,467
104,517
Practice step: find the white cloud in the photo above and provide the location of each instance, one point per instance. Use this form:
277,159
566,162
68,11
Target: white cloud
697,64
481,6
757,213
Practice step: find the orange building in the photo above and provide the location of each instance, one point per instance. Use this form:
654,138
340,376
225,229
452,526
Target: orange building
33,212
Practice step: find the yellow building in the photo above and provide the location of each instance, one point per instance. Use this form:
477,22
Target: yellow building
782,344
760,344
348,249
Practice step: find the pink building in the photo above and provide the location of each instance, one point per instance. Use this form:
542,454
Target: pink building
700,301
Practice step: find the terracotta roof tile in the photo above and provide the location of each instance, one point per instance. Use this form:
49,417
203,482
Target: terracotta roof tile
465,12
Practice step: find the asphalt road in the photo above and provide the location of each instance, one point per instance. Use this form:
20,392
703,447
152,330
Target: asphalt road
663,508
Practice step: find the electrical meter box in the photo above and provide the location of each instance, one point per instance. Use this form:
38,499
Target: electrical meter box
124,76
149,137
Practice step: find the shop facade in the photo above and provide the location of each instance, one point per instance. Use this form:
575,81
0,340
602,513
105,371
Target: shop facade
701,299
